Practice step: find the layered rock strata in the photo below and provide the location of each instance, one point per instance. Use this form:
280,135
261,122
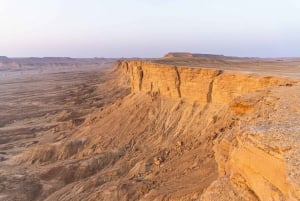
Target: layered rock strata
258,158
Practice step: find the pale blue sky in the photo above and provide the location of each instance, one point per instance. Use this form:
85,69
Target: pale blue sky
149,28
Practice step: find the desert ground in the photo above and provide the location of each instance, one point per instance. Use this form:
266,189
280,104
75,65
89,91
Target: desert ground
182,127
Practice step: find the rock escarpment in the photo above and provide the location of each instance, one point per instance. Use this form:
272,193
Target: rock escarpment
196,84
164,132
258,156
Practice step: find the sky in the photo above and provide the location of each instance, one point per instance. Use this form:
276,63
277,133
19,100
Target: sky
149,28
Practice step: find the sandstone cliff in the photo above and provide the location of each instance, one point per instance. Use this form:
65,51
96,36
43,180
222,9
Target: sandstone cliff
259,157
196,84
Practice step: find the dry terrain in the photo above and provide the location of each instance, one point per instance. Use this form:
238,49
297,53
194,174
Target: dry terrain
184,127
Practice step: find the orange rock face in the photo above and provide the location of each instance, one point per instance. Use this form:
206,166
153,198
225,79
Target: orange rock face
254,169
197,84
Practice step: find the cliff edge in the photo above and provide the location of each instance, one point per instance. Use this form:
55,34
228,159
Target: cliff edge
258,157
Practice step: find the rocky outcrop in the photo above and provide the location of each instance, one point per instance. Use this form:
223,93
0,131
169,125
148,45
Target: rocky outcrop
262,153
253,162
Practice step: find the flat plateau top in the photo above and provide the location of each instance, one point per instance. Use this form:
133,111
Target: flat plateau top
287,67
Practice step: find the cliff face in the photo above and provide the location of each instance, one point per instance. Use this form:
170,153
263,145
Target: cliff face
255,156
197,84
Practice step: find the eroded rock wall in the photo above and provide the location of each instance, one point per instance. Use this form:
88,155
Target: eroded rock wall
197,84
256,170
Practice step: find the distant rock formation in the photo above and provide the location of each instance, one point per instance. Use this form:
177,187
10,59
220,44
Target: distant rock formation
191,55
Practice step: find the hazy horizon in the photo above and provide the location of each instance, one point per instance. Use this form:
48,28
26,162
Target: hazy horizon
132,28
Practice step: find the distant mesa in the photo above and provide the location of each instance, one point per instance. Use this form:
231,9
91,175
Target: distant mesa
191,55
